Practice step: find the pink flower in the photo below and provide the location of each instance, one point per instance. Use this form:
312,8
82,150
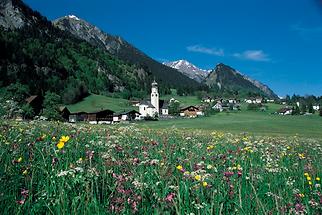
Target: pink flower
228,174
170,197
21,202
239,173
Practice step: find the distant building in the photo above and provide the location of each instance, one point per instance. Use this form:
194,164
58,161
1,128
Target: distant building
285,111
98,117
64,112
35,102
190,111
155,106
126,116
316,107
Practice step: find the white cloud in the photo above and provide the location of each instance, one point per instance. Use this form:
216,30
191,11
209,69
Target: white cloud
253,55
307,32
205,50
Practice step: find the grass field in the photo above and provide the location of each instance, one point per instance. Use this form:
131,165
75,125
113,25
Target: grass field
61,168
94,103
251,122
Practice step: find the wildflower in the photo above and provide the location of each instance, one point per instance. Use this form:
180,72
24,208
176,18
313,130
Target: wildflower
198,177
209,166
25,172
205,184
301,195
179,167
228,174
60,145
306,174
308,178
170,197
317,178
53,138
64,139
301,155
210,147
186,173
310,182
19,159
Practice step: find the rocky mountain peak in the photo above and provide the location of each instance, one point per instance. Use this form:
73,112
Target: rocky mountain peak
188,69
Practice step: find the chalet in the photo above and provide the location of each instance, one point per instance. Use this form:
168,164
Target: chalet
64,112
35,102
190,111
126,116
164,107
257,100
208,99
92,117
285,111
316,107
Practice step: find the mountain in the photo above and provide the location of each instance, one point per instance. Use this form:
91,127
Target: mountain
39,57
224,77
120,48
189,70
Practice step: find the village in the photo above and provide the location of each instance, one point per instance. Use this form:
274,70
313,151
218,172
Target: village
159,109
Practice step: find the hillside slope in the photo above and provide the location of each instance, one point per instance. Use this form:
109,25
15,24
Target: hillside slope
120,48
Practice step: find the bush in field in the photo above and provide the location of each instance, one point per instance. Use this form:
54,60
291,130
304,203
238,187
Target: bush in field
254,107
51,106
174,108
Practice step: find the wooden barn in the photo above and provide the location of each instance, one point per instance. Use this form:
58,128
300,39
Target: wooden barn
190,111
64,112
92,117
35,102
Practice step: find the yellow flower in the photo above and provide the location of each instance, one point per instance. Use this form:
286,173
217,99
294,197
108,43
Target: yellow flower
205,184
210,147
179,167
64,139
198,177
19,160
53,138
306,174
209,166
301,155
317,178
25,172
288,147
301,195
309,178
60,145
186,173
310,182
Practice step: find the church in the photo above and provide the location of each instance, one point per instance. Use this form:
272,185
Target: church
154,106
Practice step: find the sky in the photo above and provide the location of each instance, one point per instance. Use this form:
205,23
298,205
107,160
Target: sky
278,42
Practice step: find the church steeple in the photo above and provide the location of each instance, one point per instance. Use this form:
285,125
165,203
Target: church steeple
155,95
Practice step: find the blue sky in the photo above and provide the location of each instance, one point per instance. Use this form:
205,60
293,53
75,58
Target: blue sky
278,42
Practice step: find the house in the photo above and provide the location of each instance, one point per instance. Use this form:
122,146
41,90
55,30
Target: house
164,108
126,116
97,117
35,102
190,111
316,107
218,106
270,100
285,111
232,101
257,100
208,99
64,112
154,106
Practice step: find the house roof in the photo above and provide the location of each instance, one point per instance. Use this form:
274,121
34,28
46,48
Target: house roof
147,103
188,107
63,108
31,99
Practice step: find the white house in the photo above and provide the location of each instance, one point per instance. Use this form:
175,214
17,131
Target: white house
285,111
218,106
152,107
316,107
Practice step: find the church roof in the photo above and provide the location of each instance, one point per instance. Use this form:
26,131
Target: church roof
147,103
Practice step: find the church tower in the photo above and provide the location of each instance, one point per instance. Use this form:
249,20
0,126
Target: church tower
155,96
